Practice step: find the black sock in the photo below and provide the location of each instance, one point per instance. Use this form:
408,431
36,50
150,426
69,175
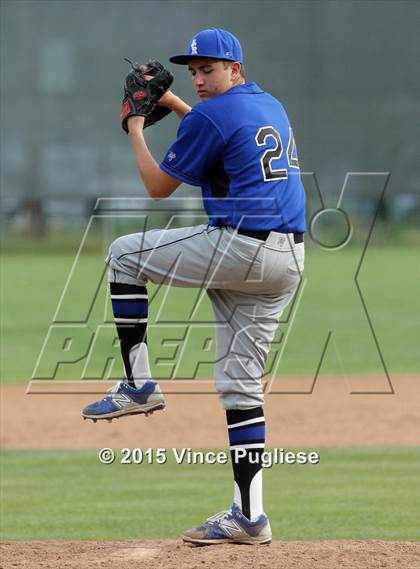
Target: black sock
130,307
247,439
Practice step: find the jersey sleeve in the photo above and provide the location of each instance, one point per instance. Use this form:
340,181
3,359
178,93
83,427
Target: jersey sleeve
198,145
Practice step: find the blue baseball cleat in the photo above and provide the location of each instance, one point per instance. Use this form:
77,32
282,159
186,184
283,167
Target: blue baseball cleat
230,526
126,400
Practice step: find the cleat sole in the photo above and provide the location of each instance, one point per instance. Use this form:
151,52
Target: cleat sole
145,410
203,542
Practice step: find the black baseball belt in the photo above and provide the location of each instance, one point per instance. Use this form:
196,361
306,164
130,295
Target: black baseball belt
263,235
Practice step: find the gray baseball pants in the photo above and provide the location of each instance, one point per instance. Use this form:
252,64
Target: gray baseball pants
249,283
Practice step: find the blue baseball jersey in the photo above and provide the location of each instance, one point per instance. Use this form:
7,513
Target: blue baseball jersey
239,148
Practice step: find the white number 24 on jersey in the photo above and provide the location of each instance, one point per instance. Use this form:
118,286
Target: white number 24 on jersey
275,153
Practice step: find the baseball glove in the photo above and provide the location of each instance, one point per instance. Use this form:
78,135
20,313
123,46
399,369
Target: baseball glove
141,95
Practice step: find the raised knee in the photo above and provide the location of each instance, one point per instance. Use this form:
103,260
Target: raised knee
122,246
117,247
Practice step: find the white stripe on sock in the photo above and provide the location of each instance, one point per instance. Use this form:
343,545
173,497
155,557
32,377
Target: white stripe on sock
139,361
237,498
252,445
127,296
130,320
256,497
248,422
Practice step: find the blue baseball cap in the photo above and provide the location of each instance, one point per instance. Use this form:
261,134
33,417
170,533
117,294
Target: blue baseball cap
215,43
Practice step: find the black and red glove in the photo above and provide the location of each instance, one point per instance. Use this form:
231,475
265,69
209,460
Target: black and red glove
141,95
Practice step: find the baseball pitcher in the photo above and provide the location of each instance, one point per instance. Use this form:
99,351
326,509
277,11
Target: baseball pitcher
237,145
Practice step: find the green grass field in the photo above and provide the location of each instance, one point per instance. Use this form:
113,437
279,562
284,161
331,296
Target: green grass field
69,495
33,284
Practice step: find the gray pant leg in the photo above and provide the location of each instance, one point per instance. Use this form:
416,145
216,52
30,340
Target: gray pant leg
249,284
245,327
161,256
196,257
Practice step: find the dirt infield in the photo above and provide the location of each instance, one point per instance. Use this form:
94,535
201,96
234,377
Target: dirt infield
173,555
330,416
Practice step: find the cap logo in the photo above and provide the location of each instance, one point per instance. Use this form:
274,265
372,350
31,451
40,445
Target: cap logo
193,47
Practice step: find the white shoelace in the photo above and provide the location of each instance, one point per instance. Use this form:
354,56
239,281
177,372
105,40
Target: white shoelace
116,387
219,516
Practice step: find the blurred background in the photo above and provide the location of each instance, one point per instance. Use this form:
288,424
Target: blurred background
346,71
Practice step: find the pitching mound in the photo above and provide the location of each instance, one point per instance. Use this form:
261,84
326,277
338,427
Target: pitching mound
173,554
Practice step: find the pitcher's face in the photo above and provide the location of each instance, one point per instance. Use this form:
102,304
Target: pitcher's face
211,77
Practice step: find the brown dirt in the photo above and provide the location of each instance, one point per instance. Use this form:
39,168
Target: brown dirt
173,555
330,416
